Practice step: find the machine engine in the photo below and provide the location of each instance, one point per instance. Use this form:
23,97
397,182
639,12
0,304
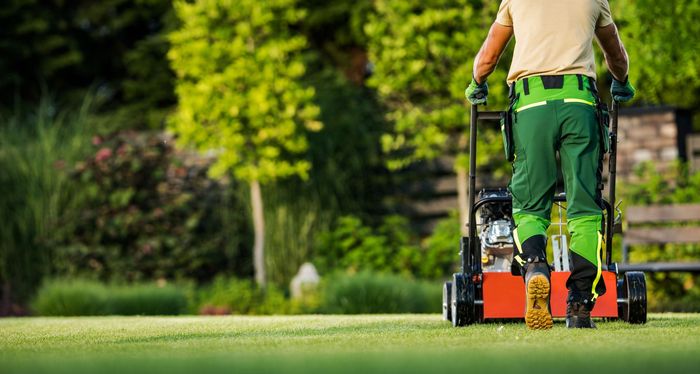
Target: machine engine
495,225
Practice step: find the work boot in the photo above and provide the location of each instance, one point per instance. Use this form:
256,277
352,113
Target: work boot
578,315
537,288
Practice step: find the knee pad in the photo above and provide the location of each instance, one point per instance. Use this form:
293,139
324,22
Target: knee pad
586,237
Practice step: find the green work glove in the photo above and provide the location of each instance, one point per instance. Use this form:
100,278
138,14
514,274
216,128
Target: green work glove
622,91
476,93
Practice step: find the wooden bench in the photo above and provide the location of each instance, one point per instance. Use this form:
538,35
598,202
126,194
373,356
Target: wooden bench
649,225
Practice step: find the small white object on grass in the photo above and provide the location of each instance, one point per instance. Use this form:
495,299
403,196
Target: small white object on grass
306,279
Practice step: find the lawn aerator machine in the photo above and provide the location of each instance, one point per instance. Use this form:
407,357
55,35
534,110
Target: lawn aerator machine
490,287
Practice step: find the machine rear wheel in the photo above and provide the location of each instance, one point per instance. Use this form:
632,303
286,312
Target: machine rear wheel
462,300
620,292
446,301
633,307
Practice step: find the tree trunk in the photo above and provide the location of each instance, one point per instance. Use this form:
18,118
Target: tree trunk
259,226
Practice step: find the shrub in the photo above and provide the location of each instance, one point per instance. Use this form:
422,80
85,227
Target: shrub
150,212
391,248
241,296
71,298
440,258
147,299
353,246
368,292
89,298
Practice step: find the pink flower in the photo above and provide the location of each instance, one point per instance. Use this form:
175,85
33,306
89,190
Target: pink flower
103,154
96,140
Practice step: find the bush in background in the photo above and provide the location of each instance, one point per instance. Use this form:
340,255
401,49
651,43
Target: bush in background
241,296
368,292
390,248
89,298
353,246
150,212
441,249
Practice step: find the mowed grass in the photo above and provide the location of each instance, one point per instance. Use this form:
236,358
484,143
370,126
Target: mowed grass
341,344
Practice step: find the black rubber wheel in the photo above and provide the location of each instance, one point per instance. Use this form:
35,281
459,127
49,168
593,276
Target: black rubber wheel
633,308
620,292
446,301
462,300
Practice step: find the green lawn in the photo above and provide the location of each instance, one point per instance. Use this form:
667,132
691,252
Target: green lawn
346,344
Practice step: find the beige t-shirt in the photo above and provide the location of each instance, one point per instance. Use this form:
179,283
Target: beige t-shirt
553,37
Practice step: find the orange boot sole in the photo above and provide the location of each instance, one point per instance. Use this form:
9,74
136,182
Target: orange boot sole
537,316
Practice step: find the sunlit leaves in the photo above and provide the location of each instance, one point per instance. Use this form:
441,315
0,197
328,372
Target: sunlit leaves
422,51
239,67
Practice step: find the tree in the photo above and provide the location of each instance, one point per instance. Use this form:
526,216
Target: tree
238,66
420,50
661,38
66,46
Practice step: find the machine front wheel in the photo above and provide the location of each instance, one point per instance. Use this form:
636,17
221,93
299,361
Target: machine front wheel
446,301
462,301
633,295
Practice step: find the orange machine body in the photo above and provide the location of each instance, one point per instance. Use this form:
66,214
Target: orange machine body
504,295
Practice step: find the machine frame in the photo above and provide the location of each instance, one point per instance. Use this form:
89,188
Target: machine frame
475,296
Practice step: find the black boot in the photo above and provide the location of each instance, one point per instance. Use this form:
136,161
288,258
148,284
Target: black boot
578,313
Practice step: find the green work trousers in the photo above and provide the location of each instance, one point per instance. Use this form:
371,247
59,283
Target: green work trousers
558,115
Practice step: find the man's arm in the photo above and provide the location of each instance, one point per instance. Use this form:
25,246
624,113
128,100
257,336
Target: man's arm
615,53
487,58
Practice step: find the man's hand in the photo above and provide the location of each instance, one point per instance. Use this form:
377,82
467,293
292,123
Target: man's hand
476,93
622,91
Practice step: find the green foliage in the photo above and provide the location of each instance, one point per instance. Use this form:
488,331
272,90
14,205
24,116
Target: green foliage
66,46
89,298
671,291
71,298
148,84
441,249
346,177
241,296
238,66
35,147
367,292
150,212
147,299
661,38
354,246
420,50
676,185
390,248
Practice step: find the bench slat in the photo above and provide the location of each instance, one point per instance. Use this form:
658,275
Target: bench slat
663,213
661,267
660,235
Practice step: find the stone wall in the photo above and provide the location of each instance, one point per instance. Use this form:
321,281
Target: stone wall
655,134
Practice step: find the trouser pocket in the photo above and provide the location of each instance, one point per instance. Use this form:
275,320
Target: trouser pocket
507,134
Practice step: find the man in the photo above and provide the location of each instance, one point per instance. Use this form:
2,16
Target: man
554,109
